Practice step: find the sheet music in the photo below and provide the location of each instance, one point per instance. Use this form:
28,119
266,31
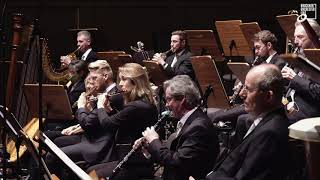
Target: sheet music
76,169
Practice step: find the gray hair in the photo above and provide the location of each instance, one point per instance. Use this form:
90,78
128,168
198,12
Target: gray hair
85,34
183,86
313,23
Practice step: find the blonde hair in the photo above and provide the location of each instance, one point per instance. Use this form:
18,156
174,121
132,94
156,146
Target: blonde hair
139,77
101,67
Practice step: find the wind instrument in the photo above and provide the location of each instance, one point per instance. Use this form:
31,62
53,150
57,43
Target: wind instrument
116,170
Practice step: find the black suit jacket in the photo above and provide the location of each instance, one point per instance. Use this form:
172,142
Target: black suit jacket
183,65
92,56
97,143
75,90
262,155
307,98
191,153
277,61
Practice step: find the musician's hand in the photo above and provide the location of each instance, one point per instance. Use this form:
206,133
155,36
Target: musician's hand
150,134
159,58
191,178
137,143
65,60
67,130
76,130
288,73
82,100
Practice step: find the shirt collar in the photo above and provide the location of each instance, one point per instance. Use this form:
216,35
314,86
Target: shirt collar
110,87
186,116
270,57
84,56
180,53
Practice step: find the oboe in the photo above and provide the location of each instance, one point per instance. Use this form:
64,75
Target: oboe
115,171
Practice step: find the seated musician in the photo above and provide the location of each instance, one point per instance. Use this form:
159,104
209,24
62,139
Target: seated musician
177,61
262,154
78,71
303,93
84,49
194,146
101,128
265,51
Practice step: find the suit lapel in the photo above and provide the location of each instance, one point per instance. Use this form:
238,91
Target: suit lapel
176,139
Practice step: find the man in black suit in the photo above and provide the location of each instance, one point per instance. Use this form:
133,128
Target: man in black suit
89,141
264,43
193,148
178,63
265,51
262,154
303,93
84,48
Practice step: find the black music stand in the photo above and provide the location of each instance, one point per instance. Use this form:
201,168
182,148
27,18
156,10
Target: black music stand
55,101
207,74
15,128
203,42
63,157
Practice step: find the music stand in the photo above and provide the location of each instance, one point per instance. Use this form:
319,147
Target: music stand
232,39
105,55
313,55
287,24
156,73
118,61
63,157
310,69
240,69
203,42
55,101
249,30
13,125
207,74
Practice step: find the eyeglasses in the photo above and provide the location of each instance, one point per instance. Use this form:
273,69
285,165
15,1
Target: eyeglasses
170,98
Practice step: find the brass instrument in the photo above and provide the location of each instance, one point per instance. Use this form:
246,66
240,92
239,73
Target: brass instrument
47,68
302,19
165,54
73,55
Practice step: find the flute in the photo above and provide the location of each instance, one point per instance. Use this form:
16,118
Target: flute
116,170
95,98
92,98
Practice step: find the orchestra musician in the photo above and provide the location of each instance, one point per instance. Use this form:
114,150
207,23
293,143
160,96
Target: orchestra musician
125,125
179,62
84,48
193,148
88,141
265,51
302,93
262,153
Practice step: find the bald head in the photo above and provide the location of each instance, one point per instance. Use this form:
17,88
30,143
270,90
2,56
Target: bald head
267,77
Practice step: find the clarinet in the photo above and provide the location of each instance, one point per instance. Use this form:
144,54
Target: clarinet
116,170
